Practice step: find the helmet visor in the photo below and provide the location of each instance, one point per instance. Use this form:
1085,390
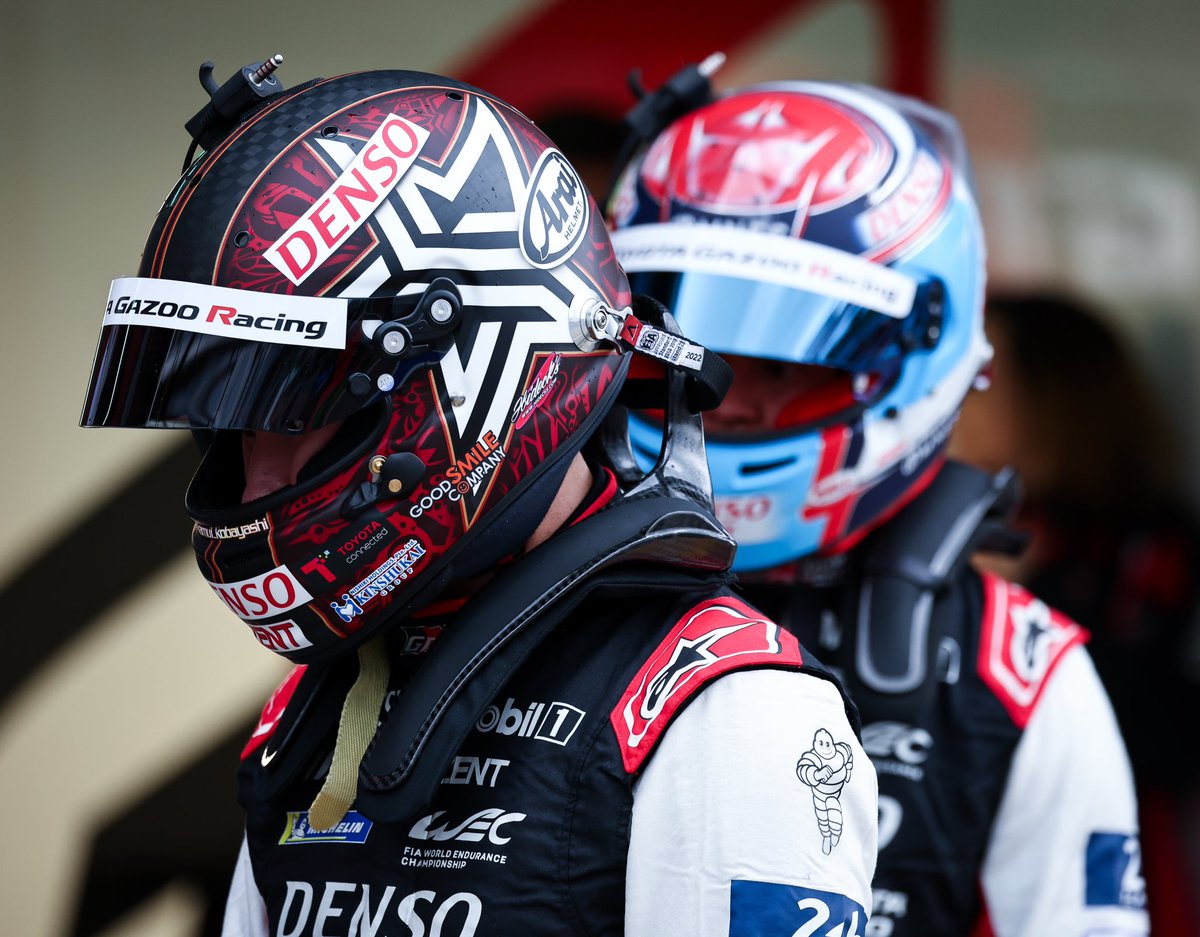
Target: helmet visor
190,356
766,296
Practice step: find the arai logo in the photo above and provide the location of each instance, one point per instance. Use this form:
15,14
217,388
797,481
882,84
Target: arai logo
556,212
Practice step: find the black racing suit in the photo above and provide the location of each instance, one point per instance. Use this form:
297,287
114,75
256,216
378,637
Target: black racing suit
1006,805
570,807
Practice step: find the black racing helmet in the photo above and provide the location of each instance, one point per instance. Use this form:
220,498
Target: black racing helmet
403,255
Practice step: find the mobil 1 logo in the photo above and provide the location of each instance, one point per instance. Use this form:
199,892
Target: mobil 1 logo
548,722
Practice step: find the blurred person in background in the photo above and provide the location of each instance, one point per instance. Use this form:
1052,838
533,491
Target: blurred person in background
1113,542
526,701
825,239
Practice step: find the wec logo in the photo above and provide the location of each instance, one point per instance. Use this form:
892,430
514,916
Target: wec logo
485,823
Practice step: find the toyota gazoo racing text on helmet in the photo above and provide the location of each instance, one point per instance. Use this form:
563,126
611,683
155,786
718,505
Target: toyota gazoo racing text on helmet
820,224
402,256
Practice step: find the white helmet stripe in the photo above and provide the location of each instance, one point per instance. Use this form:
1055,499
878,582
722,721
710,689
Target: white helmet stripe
752,255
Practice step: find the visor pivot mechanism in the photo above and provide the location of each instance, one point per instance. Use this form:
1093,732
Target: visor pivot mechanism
936,306
408,327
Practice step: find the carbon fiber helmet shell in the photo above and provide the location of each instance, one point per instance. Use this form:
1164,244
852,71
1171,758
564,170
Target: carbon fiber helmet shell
821,224
472,426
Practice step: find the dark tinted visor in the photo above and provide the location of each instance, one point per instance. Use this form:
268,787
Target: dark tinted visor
190,356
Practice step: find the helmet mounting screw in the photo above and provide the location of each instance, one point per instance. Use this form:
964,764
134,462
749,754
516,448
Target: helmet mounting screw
385,382
457,400
376,464
394,342
395,485
441,310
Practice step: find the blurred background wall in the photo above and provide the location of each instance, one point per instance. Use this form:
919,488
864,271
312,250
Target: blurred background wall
125,690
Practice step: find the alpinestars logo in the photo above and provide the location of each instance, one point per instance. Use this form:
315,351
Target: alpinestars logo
1022,642
528,401
713,638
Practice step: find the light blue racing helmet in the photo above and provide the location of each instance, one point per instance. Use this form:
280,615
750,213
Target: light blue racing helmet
819,224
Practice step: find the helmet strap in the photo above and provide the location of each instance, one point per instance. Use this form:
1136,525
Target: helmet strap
356,728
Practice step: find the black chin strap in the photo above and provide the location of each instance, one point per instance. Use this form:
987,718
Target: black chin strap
891,648
661,529
460,677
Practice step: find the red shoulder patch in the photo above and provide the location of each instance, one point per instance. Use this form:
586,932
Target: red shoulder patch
712,638
273,711
1021,643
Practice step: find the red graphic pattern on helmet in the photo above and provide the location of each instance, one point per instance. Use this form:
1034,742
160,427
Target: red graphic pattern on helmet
365,556
292,187
300,176
597,262
765,151
551,424
430,108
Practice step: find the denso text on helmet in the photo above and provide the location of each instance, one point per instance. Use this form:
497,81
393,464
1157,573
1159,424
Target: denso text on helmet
353,197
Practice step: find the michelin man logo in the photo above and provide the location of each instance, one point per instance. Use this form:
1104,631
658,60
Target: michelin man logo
826,769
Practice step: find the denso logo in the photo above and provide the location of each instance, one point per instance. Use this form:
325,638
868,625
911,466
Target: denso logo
556,212
350,201
350,908
281,636
272,593
914,196
485,823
